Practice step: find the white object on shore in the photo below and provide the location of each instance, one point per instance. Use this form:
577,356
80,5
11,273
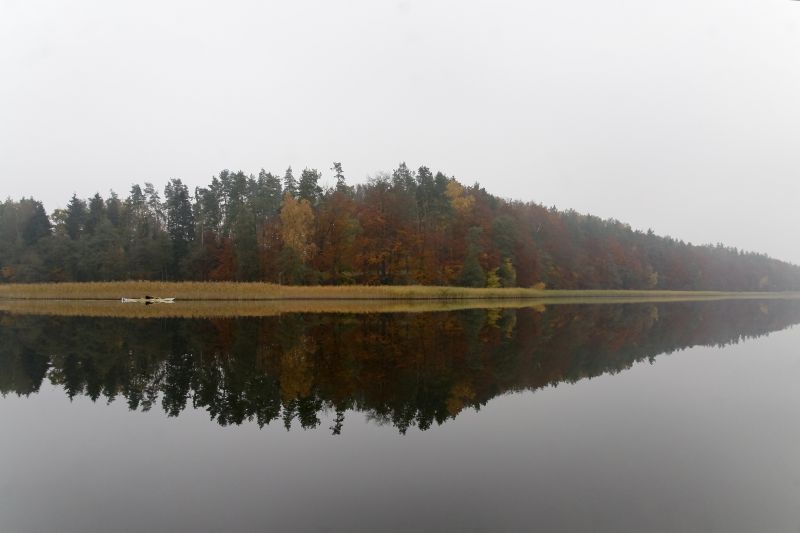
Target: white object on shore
148,300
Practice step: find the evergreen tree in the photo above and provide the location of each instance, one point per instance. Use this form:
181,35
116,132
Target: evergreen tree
403,178
180,221
235,188
96,214
114,209
472,274
425,192
207,212
309,188
246,247
75,217
289,183
104,259
155,210
136,212
341,182
266,196
34,224
274,194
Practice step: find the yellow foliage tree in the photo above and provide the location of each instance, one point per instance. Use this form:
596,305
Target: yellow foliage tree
492,279
296,371
461,394
460,199
297,226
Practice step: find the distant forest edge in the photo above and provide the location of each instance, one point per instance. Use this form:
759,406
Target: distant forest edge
404,228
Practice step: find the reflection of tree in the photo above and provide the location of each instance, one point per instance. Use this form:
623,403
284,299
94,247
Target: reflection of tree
296,368
21,369
178,374
400,369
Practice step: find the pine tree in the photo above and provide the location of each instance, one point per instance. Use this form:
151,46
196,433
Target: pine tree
266,199
341,183
180,221
34,224
289,183
96,214
309,188
403,178
75,217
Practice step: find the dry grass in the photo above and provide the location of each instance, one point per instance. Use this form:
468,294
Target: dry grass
273,307
249,308
230,291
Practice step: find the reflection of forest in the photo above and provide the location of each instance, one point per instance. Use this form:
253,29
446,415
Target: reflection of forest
403,369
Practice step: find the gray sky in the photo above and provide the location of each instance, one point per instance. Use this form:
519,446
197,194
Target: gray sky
682,115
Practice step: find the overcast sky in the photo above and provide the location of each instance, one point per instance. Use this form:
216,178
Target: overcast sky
682,115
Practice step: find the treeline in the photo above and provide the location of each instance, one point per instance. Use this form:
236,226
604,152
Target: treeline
407,227
403,369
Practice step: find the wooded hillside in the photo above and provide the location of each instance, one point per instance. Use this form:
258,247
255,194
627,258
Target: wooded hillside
407,227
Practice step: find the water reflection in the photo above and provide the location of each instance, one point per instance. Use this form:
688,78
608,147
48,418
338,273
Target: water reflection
410,369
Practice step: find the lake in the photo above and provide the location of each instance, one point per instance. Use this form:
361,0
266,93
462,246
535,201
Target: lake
676,416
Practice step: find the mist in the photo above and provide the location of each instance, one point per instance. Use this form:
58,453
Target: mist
681,117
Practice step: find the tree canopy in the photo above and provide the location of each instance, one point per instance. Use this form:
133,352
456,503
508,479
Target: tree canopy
404,227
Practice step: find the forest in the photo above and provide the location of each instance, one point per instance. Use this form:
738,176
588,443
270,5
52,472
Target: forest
400,369
407,227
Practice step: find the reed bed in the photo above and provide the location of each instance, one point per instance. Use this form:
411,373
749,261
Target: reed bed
246,308
232,291
264,308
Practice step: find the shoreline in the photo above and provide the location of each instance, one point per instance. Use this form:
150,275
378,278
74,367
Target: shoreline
228,299
265,308
266,292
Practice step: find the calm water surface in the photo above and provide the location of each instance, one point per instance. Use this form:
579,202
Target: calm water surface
637,417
